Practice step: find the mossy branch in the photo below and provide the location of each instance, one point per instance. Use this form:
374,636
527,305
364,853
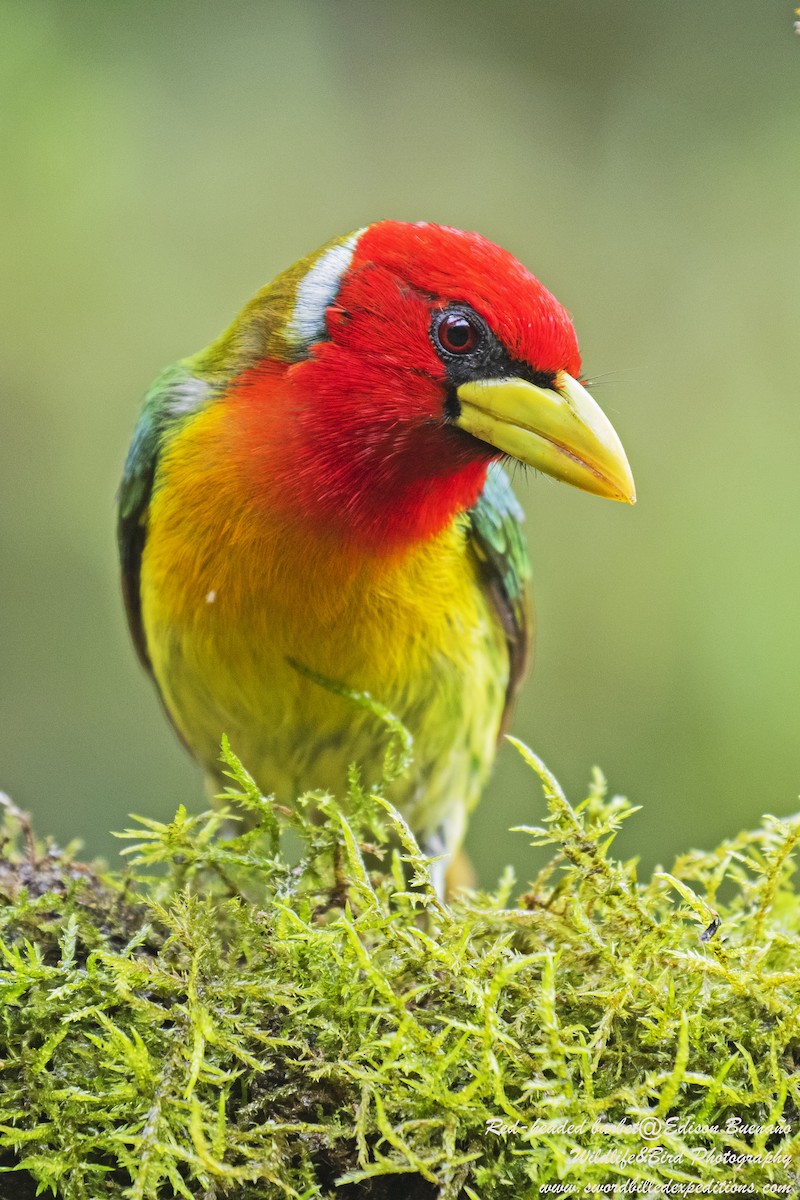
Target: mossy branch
244,1018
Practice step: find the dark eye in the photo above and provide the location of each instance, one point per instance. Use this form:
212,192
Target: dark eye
456,333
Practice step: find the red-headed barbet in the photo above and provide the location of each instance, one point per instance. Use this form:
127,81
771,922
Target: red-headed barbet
321,493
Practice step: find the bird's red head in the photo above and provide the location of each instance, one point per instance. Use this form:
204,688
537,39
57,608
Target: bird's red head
366,430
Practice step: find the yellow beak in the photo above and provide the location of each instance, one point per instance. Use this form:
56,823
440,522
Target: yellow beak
561,431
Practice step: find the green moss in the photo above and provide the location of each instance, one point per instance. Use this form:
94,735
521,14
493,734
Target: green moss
228,1021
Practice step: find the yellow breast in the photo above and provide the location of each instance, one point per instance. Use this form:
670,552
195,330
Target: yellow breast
233,592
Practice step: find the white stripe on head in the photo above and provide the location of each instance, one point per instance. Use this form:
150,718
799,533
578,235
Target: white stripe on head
317,290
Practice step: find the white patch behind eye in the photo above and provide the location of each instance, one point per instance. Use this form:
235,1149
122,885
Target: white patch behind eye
317,290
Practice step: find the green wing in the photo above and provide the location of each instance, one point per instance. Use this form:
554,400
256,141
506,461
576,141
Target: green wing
174,396
498,544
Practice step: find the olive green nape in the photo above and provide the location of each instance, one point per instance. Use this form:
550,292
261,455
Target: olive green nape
260,328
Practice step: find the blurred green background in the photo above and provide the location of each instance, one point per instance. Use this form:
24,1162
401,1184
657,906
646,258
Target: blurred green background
161,161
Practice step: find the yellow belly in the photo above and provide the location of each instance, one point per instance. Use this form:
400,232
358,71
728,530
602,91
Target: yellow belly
231,594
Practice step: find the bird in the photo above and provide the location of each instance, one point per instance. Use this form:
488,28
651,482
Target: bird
321,495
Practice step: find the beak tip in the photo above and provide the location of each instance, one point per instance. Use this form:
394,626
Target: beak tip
627,487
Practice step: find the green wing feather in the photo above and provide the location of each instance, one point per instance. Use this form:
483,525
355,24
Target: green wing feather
171,399
498,544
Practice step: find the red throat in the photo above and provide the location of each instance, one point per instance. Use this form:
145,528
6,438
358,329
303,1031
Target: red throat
305,447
